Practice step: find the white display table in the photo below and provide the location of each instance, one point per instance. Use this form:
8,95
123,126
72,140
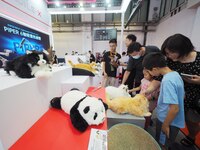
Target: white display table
24,101
80,82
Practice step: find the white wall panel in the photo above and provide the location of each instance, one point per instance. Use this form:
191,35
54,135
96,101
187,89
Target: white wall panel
86,17
99,17
67,42
179,23
196,30
28,12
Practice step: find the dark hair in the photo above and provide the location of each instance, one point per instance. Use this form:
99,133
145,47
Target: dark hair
89,51
113,41
131,37
177,43
123,53
153,60
134,47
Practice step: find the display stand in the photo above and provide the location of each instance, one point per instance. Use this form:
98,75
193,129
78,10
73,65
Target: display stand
54,131
114,118
80,82
24,101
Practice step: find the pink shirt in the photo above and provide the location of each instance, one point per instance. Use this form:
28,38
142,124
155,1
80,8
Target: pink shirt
144,85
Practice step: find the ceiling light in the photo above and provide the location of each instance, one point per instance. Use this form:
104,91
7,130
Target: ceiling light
57,3
93,5
81,4
107,1
109,5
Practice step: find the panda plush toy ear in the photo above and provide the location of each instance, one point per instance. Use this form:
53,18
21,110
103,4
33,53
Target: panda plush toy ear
104,104
77,120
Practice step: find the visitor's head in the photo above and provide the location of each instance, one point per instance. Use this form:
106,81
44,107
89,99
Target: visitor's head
134,49
123,53
130,39
154,62
147,75
176,47
113,45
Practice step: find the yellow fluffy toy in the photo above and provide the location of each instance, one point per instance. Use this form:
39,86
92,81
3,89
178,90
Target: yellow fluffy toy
138,105
90,67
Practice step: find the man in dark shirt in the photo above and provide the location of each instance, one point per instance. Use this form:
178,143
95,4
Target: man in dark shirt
130,39
135,62
110,63
92,58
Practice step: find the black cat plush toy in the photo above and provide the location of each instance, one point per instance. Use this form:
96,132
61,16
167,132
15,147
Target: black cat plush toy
32,64
84,110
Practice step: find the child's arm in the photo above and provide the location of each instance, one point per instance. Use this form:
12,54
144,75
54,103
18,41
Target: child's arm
135,89
152,87
173,110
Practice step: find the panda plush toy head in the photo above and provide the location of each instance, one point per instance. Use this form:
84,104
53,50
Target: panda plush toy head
84,110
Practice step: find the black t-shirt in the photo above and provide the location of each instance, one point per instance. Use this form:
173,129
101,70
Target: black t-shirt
131,76
109,68
92,58
136,64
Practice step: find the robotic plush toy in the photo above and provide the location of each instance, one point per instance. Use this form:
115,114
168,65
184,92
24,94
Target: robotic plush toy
114,92
138,105
28,65
84,110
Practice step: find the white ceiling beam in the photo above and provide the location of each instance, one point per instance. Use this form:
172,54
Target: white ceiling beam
124,5
84,11
122,9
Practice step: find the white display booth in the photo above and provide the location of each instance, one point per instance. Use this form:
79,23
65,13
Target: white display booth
24,101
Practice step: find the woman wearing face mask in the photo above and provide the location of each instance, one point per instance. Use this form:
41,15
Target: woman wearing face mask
135,61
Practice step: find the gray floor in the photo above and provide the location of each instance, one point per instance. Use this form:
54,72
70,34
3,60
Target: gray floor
152,131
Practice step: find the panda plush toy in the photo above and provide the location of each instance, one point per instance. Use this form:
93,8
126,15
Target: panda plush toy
84,110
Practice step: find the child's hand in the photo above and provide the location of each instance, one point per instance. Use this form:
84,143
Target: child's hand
144,93
129,91
165,129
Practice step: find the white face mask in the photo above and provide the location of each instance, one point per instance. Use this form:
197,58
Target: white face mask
136,57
